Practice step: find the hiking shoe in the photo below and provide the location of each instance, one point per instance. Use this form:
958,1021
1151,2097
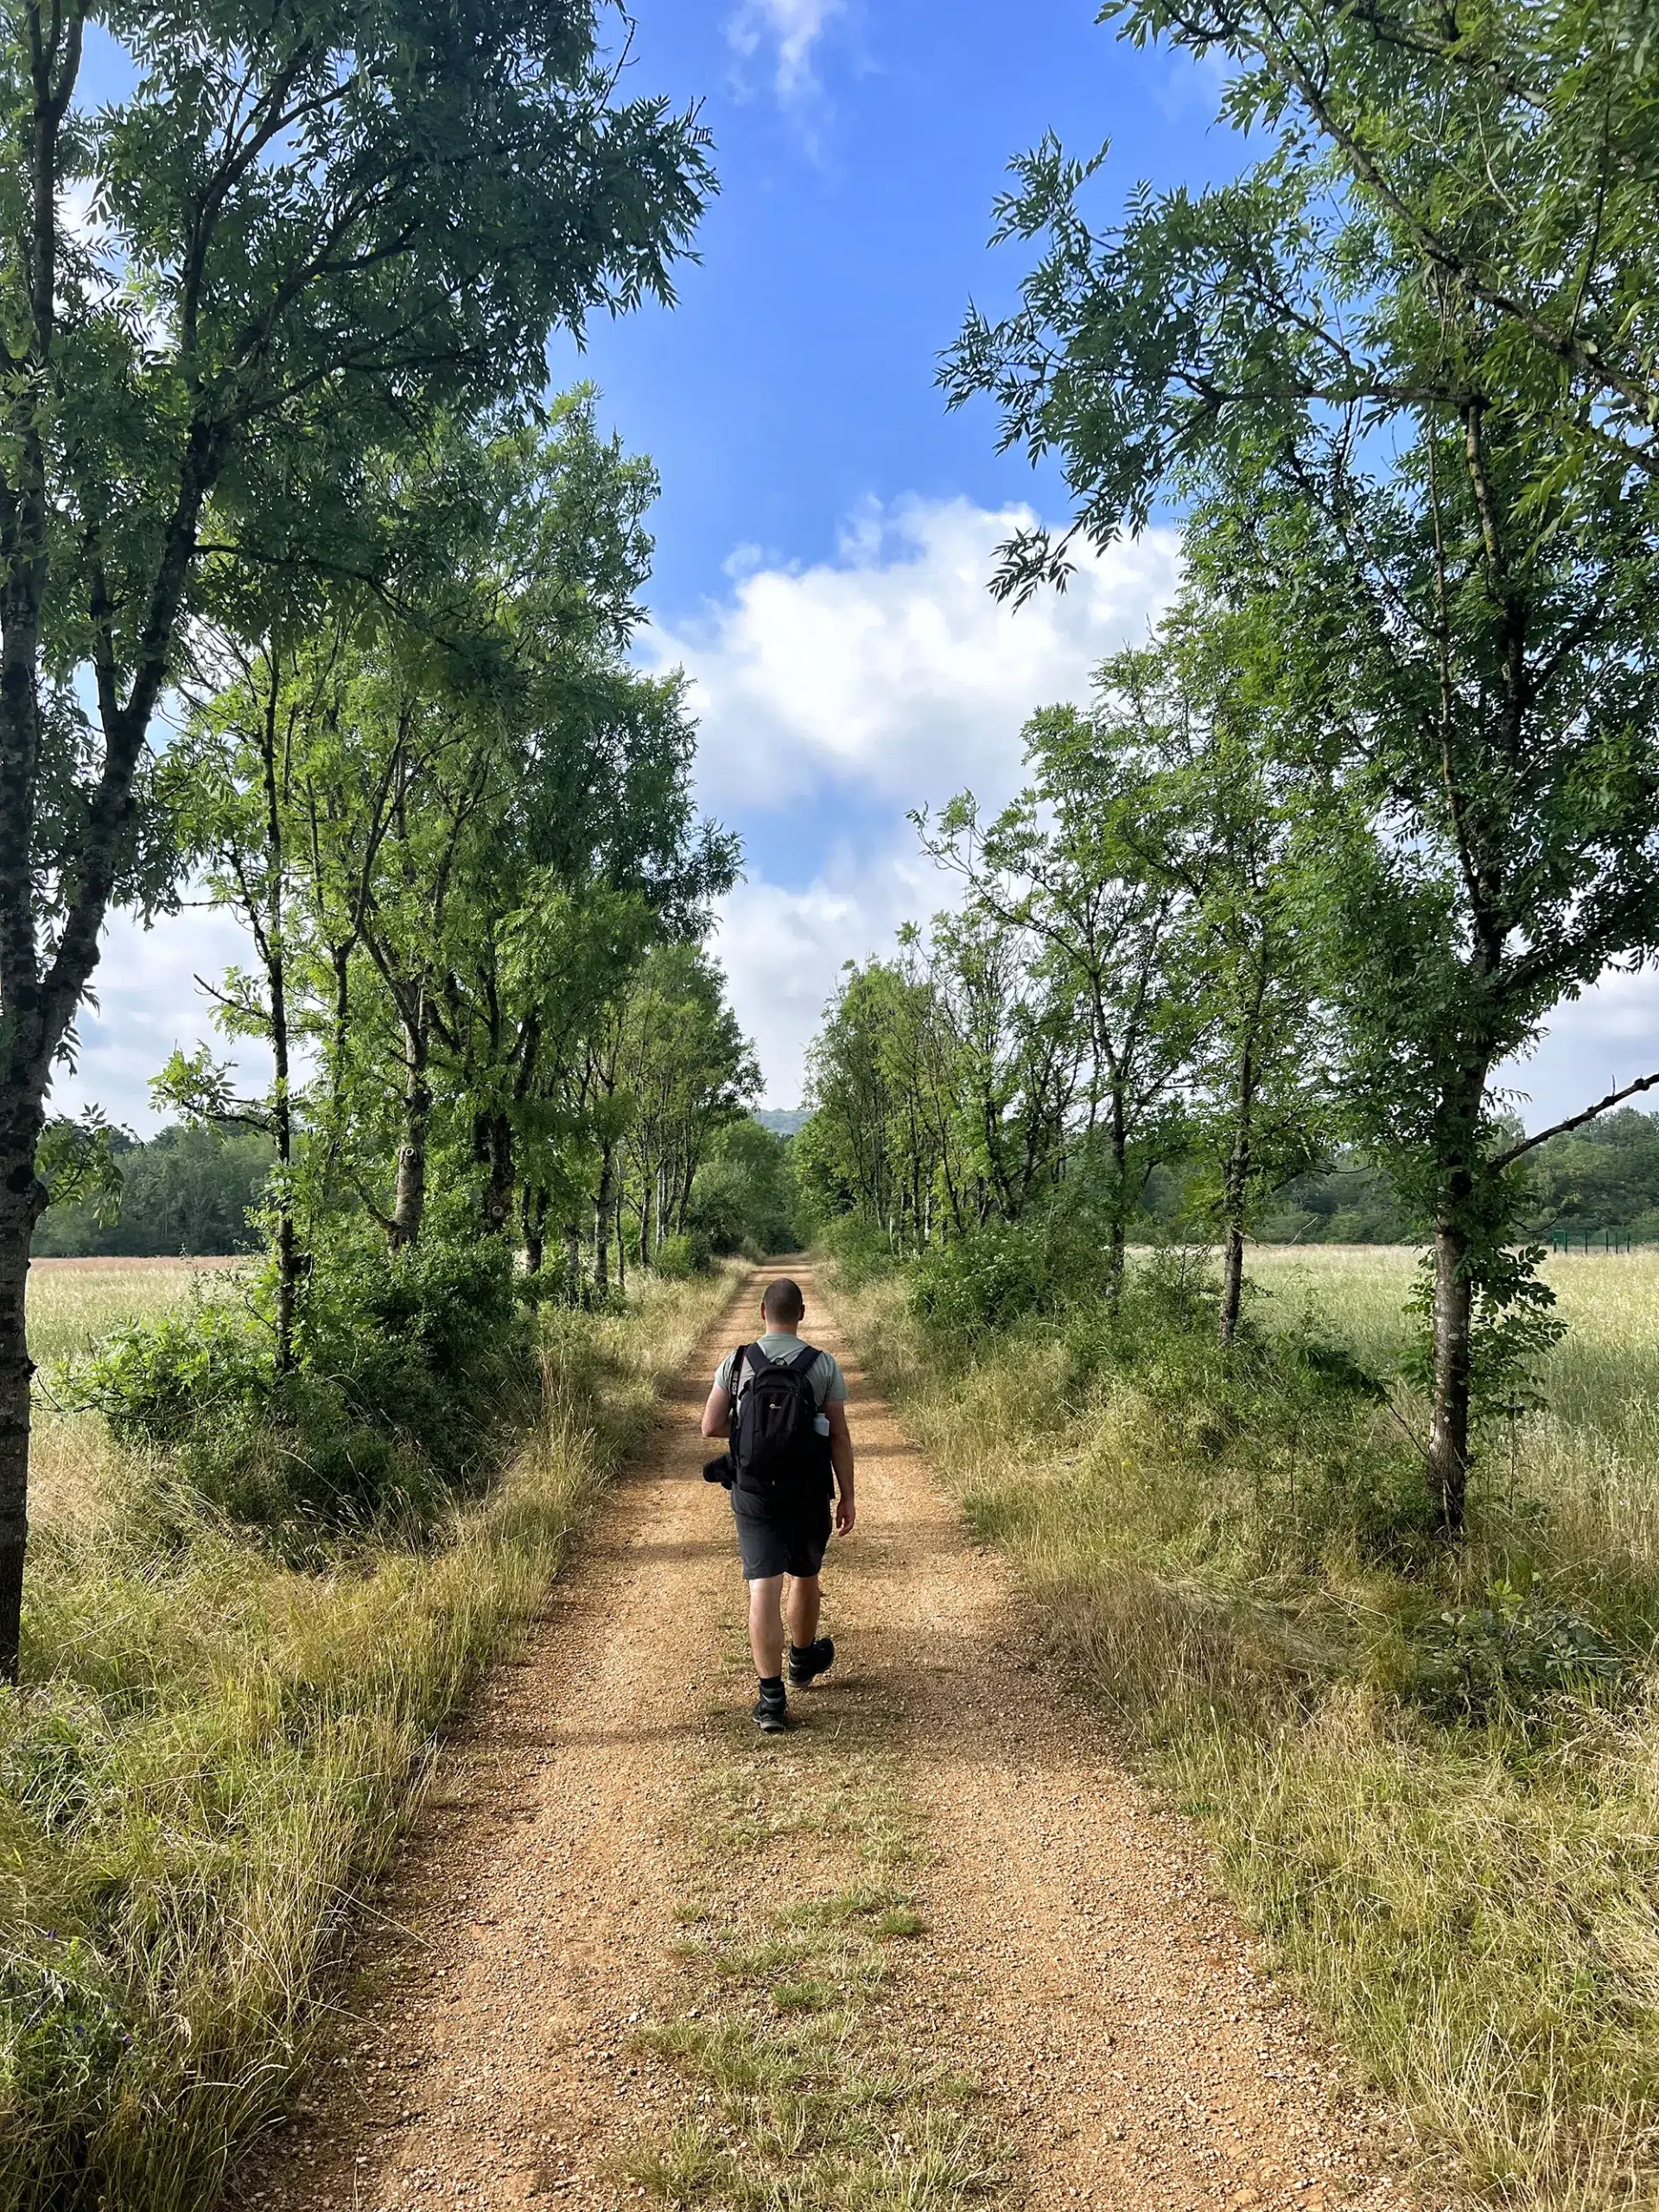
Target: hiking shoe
807,1662
772,1709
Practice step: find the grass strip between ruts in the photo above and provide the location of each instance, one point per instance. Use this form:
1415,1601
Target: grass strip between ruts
811,2091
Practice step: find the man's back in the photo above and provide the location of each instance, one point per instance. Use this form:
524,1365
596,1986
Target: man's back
782,1528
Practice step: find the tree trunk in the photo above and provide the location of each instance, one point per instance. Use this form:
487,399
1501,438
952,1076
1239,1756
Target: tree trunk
1232,1278
1117,1241
288,1249
408,1206
602,1219
1235,1183
573,1261
340,959
22,1200
646,1181
273,939
533,1217
1235,1177
503,1175
622,1253
1448,1429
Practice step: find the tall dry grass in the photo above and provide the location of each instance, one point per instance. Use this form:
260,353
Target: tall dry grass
215,1753
1592,1457
73,1305
1469,1897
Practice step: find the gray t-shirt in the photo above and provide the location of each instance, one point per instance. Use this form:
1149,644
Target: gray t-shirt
829,1384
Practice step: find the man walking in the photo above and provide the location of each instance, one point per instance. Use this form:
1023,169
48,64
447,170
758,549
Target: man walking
783,1405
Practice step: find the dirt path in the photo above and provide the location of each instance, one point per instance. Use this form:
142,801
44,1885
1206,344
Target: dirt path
1074,1962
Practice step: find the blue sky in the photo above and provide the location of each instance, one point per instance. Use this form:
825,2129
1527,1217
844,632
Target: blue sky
825,530
795,378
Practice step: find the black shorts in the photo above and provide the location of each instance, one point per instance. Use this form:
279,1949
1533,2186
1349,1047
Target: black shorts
791,1542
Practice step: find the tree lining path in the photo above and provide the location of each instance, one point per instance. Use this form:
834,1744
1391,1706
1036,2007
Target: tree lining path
1075,1962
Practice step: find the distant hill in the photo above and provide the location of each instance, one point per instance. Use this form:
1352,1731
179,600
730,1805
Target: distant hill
782,1121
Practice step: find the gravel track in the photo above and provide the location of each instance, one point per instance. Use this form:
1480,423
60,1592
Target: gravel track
1078,1963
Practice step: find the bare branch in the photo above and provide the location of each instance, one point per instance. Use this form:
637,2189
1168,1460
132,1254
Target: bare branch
1574,1121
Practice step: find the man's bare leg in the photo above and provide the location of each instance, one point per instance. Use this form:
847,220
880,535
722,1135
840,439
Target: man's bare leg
801,1609
766,1626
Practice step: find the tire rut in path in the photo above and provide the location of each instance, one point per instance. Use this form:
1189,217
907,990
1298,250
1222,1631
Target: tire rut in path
1078,1964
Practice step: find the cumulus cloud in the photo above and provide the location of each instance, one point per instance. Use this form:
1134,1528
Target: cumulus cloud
147,1003
1608,1037
891,668
786,31
853,690
782,950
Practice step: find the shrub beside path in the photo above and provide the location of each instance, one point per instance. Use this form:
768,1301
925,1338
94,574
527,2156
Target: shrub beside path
593,1973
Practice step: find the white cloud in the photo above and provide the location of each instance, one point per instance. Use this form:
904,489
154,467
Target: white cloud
1609,1037
783,951
147,1003
892,669
886,679
787,30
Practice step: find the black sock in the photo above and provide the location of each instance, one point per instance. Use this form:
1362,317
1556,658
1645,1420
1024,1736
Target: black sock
773,1682
802,1651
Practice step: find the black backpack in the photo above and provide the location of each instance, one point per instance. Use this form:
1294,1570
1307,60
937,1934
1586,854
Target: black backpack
776,1446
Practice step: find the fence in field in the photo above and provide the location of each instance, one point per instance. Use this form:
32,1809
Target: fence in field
1590,1240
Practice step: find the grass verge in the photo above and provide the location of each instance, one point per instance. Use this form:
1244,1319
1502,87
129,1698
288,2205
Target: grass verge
808,2083
214,1754
1434,1783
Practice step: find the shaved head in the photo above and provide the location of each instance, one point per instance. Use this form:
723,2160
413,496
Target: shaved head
782,1303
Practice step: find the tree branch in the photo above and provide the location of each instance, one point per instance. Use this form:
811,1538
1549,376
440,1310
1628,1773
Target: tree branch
1574,1121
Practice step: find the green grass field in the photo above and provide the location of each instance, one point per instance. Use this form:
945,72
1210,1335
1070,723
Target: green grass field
75,1303
72,1304
1466,1893
1593,1454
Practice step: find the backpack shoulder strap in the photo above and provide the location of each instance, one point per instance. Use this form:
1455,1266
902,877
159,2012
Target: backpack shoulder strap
805,1360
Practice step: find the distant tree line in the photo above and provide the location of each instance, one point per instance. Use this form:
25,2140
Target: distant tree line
191,1191
1600,1180
198,1192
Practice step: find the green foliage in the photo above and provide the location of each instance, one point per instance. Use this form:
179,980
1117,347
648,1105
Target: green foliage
1432,577
79,1163
859,1250
986,1280
410,1366
1514,1326
179,1377
678,1258
274,256
194,1190
1511,1659
1534,193
744,1197
685,1072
